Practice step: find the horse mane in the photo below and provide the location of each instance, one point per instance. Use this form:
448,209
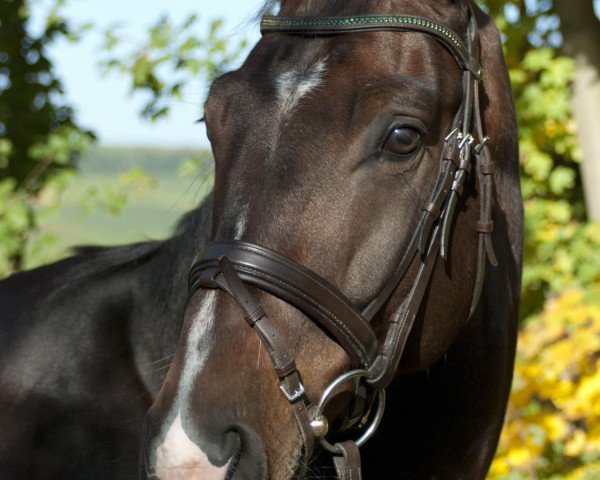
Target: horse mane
103,260
267,8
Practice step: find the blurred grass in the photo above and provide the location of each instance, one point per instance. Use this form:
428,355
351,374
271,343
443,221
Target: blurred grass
150,216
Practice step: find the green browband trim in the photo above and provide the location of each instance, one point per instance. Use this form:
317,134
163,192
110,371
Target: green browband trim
366,23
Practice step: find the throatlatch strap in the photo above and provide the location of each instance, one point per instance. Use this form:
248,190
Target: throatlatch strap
485,225
402,321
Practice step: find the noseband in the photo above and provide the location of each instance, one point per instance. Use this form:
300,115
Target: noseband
231,265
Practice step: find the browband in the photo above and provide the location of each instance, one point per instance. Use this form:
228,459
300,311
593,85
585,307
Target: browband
371,23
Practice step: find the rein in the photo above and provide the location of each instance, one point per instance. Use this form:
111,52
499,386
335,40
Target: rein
231,265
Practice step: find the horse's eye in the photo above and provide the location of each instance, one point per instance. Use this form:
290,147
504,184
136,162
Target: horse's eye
402,141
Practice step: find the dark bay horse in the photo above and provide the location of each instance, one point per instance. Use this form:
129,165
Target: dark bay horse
84,348
345,140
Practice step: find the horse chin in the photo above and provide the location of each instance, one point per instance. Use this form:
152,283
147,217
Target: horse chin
289,462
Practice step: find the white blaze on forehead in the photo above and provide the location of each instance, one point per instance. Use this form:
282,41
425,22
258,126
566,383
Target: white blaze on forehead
178,458
294,84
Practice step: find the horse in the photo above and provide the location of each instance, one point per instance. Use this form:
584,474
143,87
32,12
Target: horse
355,150
350,226
84,346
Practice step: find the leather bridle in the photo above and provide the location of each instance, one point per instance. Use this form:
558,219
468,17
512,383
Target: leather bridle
231,265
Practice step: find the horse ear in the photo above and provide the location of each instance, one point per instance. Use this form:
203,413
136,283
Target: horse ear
459,10
461,5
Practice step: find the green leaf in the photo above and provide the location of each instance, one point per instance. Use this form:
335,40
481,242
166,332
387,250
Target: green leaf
562,179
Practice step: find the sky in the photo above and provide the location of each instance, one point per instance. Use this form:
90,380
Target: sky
103,104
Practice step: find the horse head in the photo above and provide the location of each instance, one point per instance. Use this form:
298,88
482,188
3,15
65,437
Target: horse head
352,199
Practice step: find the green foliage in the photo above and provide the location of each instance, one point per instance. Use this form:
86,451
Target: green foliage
39,139
552,429
112,196
561,248
171,58
14,222
32,109
82,221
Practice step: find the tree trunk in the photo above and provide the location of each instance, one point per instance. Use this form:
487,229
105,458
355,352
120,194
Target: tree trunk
581,31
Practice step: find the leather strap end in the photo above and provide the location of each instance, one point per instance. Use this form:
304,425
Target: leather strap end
447,223
489,250
347,465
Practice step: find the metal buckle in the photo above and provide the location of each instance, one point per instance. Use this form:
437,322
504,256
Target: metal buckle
294,396
479,146
319,419
454,132
467,140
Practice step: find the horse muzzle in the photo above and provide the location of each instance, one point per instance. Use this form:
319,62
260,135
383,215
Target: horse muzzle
176,453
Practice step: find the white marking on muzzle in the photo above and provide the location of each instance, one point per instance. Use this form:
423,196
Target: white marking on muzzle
178,458
293,85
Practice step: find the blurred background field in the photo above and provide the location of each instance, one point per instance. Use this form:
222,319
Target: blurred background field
121,195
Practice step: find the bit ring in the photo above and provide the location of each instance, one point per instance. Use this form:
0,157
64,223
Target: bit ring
318,414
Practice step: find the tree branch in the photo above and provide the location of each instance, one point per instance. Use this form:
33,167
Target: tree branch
581,31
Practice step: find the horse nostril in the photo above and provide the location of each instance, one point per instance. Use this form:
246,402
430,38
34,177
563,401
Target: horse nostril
234,462
231,443
232,447
248,460
178,453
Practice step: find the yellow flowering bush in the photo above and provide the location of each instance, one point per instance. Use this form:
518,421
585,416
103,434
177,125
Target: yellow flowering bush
553,421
